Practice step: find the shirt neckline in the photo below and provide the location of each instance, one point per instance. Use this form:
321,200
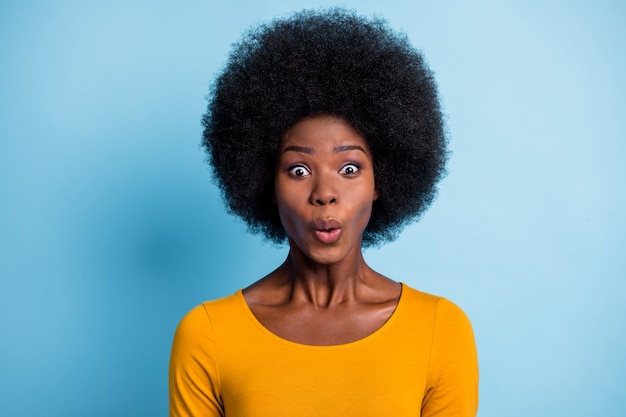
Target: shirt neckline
365,339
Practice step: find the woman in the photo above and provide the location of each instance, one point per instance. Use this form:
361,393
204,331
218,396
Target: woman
324,130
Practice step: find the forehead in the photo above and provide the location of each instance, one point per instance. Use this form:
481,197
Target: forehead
322,131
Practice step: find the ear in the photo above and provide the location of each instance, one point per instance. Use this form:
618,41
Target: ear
375,194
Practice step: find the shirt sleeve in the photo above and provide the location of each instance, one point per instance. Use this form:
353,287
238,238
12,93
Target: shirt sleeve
194,388
452,389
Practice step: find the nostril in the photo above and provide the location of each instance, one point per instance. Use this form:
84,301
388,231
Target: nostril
323,200
323,203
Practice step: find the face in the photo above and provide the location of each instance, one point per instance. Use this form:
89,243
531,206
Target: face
324,188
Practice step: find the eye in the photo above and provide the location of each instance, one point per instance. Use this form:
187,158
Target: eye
299,171
350,169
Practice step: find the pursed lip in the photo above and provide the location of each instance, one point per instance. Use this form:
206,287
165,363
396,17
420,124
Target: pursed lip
327,230
326,224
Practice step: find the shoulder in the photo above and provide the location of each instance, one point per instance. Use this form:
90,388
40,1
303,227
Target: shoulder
416,297
452,336
222,305
194,375
440,306
452,381
200,330
444,319
200,319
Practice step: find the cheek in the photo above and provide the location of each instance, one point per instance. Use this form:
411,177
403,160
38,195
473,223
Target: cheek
289,213
363,198
366,212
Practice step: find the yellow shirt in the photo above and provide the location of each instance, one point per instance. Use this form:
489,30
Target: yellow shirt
421,362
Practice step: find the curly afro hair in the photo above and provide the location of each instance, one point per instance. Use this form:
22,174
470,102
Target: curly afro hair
330,62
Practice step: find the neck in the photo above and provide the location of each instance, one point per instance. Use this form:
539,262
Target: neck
326,285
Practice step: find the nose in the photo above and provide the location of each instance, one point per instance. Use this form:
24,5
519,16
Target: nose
324,192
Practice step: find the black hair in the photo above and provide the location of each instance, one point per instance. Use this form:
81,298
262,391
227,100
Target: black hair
331,62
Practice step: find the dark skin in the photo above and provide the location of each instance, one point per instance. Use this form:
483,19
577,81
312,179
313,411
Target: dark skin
324,293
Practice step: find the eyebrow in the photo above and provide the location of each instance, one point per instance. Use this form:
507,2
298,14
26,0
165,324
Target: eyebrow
336,149
344,148
301,149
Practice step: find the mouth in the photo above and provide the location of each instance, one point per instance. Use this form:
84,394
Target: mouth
327,231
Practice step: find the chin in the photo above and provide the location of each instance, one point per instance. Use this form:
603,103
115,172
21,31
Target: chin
329,255
326,260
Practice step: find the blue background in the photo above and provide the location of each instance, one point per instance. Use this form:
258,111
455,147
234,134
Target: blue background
111,229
